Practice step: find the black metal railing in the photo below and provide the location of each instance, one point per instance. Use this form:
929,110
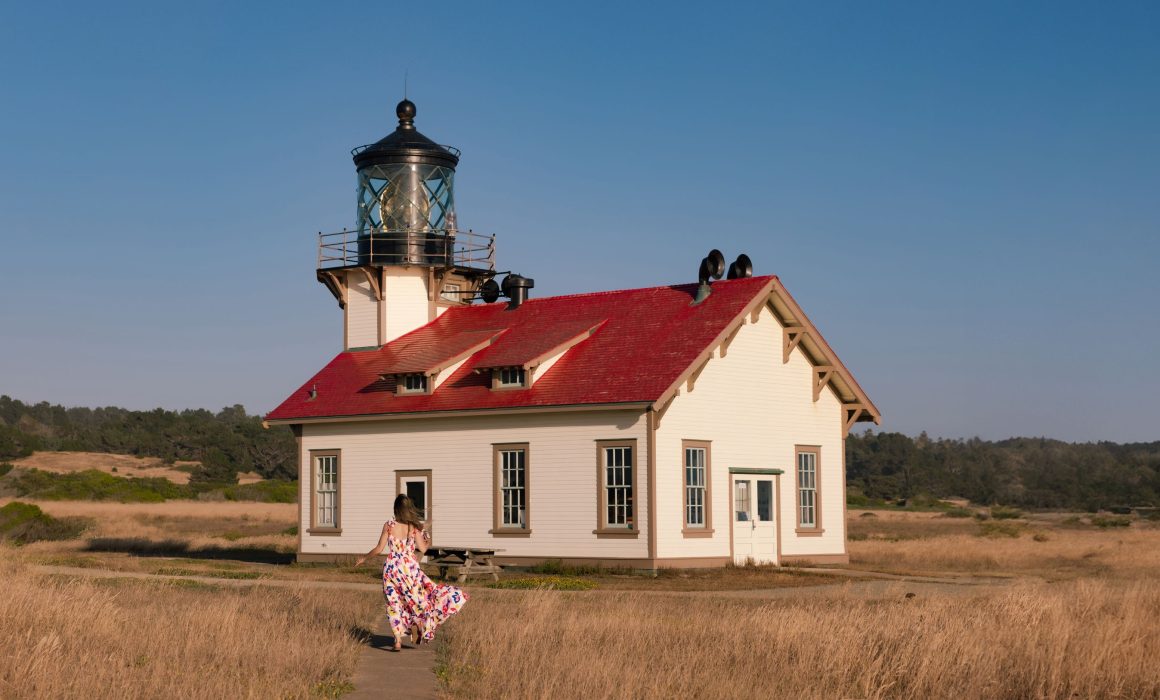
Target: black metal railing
436,248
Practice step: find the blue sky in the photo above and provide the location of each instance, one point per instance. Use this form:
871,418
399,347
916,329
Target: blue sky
963,198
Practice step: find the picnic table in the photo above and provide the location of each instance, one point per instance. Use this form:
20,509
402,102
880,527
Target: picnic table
464,561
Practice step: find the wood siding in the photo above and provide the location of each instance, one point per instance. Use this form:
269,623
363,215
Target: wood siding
406,305
458,451
754,409
362,311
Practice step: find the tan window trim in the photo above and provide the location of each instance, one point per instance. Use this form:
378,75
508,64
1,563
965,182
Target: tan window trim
315,528
707,529
817,528
602,530
400,474
401,384
617,533
497,529
496,386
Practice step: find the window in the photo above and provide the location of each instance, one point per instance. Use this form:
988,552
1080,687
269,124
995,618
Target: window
616,488
808,517
765,500
413,384
510,377
324,514
698,493
451,293
511,490
741,499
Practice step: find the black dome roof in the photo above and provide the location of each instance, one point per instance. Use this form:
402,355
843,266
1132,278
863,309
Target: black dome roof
405,145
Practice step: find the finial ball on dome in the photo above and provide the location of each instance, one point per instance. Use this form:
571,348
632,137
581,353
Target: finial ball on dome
405,111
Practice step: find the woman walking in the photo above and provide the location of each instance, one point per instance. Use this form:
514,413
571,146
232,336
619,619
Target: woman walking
415,604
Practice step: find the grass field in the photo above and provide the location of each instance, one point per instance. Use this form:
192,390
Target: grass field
68,637
1061,608
1078,616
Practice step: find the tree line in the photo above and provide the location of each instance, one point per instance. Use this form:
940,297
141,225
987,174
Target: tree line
1024,472
225,443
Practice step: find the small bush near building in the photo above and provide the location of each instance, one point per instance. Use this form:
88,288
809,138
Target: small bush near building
94,485
271,491
22,523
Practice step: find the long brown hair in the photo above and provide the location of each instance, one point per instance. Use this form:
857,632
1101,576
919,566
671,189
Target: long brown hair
406,513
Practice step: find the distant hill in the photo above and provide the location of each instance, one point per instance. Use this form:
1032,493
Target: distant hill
222,444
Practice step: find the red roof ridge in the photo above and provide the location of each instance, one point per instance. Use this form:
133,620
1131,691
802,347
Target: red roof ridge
681,285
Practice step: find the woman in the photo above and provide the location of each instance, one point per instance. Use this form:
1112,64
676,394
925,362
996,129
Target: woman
414,603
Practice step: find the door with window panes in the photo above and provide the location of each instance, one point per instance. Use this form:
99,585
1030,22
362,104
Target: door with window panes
754,516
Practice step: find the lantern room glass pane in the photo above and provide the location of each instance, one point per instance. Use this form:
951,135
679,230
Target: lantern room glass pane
406,197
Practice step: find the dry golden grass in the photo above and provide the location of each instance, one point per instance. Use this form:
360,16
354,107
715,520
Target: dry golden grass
926,543
72,638
1093,633
118,465
1078,639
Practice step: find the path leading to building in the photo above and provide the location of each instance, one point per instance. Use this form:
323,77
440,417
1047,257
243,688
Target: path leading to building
403,675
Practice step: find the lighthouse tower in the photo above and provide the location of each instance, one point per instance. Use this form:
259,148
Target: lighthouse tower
406,261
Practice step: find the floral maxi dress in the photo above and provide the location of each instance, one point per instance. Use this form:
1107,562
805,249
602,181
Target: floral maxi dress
413,599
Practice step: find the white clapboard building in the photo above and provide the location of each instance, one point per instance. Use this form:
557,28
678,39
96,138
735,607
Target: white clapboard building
680,426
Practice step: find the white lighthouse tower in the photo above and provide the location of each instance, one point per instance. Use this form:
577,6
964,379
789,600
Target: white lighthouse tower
406,261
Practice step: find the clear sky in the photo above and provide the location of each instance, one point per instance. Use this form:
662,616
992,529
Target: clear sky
963,197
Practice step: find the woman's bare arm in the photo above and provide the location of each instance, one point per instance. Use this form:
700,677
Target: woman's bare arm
378,547
422,542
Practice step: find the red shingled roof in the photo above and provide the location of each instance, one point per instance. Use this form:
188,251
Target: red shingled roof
644,340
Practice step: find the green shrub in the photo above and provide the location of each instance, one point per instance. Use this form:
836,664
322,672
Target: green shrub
1106,521
1005,513
556,583
93,485
292,530
22,523
270,491
4,469
556,567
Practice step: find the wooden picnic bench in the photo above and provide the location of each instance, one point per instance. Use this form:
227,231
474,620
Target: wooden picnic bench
464,562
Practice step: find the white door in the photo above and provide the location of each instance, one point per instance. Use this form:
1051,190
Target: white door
754,525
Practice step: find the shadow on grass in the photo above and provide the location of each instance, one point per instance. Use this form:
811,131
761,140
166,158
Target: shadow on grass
140,547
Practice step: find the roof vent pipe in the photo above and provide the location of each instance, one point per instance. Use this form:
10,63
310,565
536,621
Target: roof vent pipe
712,267
515,287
